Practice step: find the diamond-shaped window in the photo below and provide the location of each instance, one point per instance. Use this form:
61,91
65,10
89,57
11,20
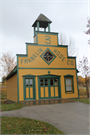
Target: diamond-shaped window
48,56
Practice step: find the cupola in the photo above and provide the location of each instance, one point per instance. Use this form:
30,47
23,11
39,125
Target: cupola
45,37
42,22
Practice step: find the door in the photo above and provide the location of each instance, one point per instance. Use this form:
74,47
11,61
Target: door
54,91
49,88
44,88
29,88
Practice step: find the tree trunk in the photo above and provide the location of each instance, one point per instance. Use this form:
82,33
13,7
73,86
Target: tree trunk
86,82
87,91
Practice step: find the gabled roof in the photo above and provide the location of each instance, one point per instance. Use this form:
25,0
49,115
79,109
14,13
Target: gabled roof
14,71
43,21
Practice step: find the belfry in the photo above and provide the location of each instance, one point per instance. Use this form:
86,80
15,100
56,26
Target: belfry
46,72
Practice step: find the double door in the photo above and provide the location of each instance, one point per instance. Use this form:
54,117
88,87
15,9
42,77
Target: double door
49,88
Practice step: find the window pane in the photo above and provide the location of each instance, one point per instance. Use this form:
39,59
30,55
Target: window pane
46,82
68,81
56,81
48,56
27,82
41,82
31,82
68,88
51,81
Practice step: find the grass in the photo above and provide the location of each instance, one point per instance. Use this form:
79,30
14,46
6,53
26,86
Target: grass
10,125
14,125
6,106
84,100
83,95
3,94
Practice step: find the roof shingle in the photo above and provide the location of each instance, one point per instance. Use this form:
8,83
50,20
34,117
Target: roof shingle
43,21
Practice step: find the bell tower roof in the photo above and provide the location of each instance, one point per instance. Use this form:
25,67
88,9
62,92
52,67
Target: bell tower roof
43,21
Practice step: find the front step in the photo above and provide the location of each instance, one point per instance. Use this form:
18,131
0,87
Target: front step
45,102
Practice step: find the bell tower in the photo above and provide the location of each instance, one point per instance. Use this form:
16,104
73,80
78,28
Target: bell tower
44,37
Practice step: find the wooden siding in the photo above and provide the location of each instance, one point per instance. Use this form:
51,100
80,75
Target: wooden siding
34,60
12,88
52,39
37,72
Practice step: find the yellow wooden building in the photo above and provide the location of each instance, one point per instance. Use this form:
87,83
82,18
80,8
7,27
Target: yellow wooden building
46,71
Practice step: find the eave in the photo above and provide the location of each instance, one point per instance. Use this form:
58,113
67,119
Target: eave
14,71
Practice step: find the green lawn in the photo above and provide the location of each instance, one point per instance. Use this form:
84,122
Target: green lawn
6,106
15,125
3,94
84,100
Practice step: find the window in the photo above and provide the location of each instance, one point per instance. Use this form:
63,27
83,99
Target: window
27,84
31,82
41,82
56,82
51,82
48,56
69,84
46,82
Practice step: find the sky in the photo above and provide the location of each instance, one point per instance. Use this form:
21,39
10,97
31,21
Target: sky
67,16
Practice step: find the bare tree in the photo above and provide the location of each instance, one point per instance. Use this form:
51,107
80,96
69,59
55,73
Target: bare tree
7,63
72,50
63,39
83,67
88,31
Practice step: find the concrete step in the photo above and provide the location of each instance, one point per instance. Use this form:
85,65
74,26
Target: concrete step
45,102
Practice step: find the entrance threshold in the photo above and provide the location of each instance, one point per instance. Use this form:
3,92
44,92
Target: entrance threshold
46,101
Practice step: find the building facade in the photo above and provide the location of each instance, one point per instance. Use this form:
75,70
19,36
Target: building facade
46,71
